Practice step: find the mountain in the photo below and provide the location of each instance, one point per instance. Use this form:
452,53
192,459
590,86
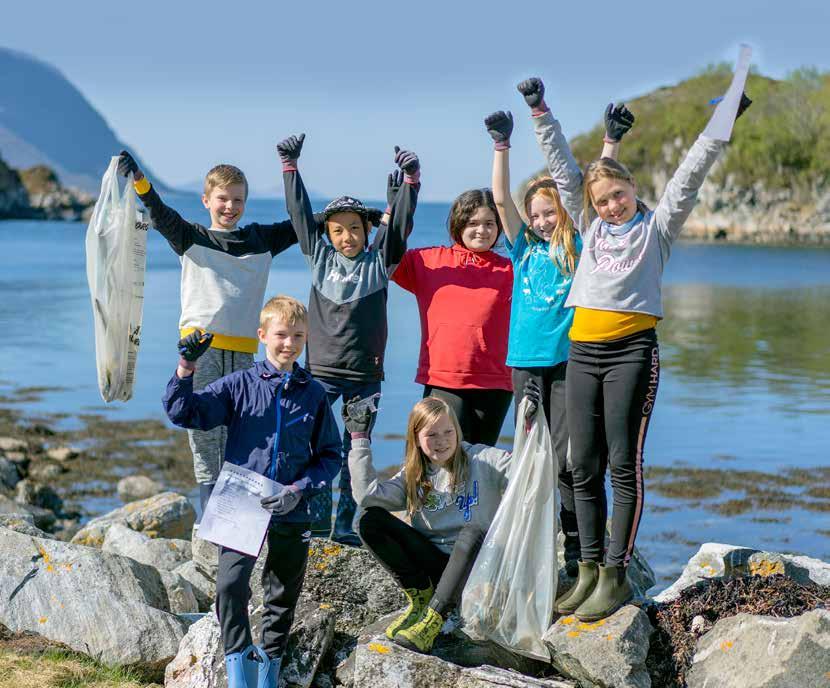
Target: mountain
45,120
772,184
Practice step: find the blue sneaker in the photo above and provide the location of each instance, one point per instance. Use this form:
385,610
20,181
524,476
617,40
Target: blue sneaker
243,668
269,672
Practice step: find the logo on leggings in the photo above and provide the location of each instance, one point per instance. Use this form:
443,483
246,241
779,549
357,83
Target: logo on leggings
466,502
653,379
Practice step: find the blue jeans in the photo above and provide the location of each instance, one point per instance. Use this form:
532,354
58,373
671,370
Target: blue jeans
321,503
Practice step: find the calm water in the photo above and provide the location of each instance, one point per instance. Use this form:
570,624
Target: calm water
745,352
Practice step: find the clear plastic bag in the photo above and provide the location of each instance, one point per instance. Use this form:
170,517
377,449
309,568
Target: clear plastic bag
509,595
116,257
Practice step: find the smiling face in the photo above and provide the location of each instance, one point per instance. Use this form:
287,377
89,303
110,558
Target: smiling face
543,217
347,233
615,200
481,230
439,440
284,341
226,205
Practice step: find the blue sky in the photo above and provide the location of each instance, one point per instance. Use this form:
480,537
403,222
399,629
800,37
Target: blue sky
192,84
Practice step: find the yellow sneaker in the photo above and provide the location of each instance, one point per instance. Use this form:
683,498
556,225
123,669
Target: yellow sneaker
418,600
421,635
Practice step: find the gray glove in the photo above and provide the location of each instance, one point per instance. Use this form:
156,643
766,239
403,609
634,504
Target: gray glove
407,161
359,415
534,92
500,127
618,120
282,502
289,149
393,185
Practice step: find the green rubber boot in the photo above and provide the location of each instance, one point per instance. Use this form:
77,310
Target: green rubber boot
420,636
418,600
584,586
612,591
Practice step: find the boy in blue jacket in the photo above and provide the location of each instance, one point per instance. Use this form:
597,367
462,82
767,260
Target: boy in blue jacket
280,424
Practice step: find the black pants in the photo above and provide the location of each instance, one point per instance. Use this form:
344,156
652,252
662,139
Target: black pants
552,381
282,580
480,412
417,563
611,389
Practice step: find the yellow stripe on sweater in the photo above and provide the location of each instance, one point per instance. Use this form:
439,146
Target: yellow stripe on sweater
592,325
246,345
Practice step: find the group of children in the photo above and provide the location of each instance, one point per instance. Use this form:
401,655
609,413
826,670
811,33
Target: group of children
567,320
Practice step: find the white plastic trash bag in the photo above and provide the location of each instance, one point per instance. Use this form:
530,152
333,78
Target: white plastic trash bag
511,589
116,256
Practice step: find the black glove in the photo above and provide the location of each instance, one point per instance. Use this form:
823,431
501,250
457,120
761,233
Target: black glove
289,149
407,161
393,185
284,501
533,90
358,419
743,105
618,120
126,164
533,393
374,216
194,345
500,127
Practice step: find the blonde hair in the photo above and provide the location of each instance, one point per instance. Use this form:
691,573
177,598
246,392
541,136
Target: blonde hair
562,242
224,175
416,480
604,168
286,308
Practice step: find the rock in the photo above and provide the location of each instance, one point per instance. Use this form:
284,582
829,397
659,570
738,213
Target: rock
611,652
43,518
23,523
205,554
200,661
29,492
698,626
136,487
12,444
44,471
163,553
107,606
181,599
167,515
714,560
747,651
204,588
9,475
61,454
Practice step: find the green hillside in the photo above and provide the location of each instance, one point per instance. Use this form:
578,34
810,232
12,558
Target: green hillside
783,140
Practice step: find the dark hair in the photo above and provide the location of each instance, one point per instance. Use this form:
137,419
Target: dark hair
465,206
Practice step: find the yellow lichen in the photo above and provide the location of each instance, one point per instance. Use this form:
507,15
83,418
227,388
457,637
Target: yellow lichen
573,634
42,620
379,648
765,567
567,621
324,605
609,637
726,645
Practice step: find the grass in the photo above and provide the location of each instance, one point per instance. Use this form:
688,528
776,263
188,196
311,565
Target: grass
61,669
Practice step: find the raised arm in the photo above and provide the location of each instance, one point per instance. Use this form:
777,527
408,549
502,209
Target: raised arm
308,231
500,127
178,232
561,163
402,198
618,122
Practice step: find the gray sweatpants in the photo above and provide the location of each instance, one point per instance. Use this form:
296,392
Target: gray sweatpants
208,446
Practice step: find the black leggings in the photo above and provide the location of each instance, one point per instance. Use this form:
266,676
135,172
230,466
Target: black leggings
480,412
552,381
417,563
611,388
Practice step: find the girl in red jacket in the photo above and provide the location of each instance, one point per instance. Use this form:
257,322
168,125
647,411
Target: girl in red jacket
463,294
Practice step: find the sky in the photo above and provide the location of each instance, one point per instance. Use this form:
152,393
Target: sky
191,84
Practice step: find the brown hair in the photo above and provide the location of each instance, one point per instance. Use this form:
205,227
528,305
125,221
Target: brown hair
286,308
465,206
415,466
604,168
562,242
224,175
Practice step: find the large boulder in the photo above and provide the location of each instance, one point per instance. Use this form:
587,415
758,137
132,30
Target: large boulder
163,553
42,518
715,560
23,523
204,588
107,606
205,554
167,515
747,651
135,487
610,652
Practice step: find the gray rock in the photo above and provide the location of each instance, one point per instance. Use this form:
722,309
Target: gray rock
495,677
109,607
163,553
747,651
136,487
715,560
23,523
62,454
30,492
44,471
180,596
42,518
12,444
610,653
167,515
9,475
205,554
204,588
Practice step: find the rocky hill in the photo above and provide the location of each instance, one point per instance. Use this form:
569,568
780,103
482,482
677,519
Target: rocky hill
773,183
45,120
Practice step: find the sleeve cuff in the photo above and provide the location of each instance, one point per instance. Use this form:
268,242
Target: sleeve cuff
360,441
289,167
142,186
